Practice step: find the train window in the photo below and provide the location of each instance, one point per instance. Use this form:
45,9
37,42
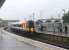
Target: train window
17,25
30,24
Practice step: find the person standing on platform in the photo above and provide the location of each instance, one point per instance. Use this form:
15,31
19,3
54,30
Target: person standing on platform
60,28
41,27
66,29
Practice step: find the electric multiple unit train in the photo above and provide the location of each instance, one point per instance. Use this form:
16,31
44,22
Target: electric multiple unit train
25,26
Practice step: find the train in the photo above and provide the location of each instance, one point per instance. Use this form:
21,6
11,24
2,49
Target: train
25,27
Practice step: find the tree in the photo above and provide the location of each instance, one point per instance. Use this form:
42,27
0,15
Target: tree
66,17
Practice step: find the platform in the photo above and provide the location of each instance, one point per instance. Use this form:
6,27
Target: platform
10,43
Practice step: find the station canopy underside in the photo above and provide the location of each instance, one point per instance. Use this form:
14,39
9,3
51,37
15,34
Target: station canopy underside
1,3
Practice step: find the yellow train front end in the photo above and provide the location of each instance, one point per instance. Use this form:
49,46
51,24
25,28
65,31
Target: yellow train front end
28,26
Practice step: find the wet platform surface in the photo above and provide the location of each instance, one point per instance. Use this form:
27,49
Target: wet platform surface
9,43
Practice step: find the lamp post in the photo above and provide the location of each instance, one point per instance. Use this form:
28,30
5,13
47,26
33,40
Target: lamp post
33,16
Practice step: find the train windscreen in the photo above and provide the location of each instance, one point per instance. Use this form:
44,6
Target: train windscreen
31,24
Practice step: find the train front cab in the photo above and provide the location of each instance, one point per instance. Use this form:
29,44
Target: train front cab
28,26
31,27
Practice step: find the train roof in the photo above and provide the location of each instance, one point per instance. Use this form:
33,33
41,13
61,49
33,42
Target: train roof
15,23
24,21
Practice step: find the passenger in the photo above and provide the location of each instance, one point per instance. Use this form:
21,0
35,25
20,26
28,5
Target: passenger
41,28
60,28
66,29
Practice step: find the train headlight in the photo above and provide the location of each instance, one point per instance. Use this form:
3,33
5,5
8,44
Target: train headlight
32,29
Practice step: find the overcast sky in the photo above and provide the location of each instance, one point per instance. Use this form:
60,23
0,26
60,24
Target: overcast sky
23,9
